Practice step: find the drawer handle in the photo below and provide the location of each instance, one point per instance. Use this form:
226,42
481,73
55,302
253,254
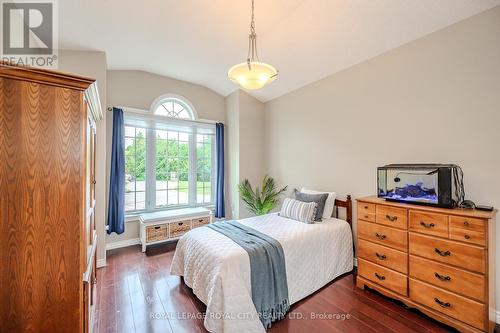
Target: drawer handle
379,236
442,253
391,217
466,236
427,225
180,223
380,277
366,216
366,207
442,277
201,220
466,223
380,256
441,303
157,227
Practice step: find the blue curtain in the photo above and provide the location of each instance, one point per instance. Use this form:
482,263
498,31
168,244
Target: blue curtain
116,206
219,189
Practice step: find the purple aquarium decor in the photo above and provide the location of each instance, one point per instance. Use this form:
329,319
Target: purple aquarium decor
415,192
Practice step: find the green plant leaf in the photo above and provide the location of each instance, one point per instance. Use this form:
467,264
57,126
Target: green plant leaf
263,199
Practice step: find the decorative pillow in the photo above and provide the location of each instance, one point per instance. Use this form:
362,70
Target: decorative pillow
320,199
329,204
298,210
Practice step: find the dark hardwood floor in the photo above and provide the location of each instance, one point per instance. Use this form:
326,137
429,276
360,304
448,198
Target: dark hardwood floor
137,293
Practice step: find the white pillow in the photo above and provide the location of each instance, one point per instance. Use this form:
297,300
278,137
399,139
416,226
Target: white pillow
329,203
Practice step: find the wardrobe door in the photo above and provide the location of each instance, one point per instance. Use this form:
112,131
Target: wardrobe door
41,205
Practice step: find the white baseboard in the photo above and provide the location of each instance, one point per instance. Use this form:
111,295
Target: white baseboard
101,263
355,262
123,243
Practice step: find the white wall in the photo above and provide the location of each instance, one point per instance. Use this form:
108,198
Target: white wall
93,65
139,89
436,99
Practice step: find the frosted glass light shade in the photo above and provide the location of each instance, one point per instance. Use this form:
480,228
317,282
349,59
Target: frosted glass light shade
257,77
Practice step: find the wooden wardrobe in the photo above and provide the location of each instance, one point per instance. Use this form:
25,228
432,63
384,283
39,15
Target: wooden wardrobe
47,185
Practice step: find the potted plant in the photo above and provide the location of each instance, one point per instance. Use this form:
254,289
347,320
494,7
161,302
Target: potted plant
260,202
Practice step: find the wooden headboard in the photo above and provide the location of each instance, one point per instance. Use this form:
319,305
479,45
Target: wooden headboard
347,204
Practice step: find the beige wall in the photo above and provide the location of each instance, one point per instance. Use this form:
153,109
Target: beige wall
139,89
251,141
232,129
93,64
245,124
436,99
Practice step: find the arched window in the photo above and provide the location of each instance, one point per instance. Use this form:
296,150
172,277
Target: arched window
169,159
174,107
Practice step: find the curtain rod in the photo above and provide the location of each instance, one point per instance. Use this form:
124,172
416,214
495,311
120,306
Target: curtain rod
127,109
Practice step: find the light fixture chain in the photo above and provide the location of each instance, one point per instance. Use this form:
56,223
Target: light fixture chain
252,22
252,39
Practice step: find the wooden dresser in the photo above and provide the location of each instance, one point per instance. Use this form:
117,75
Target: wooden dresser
440,261
47,185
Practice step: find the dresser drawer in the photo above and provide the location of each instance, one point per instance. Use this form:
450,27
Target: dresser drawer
453,279
392,216
178,229
448,252
387,278
366,211
383,256
199,222
376,233
468,230
429,223
156,233
455,306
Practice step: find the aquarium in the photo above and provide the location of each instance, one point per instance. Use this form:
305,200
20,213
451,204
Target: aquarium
428,184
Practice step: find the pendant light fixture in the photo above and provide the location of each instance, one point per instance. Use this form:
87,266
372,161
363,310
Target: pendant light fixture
252,74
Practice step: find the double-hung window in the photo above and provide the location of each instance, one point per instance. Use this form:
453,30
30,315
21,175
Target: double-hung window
169,159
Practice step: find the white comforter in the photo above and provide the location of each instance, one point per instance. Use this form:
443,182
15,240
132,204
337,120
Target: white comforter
218,270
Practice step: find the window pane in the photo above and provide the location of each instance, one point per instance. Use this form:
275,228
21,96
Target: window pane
203,168
173,135
161,134
173,184
129,131
207,194
161,184
161,198
135,168
129,201
140,200
172,167
183,198
173,197
178,107
129,185
183,114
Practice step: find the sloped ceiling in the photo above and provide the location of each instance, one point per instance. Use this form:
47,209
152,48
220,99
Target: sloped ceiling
198,40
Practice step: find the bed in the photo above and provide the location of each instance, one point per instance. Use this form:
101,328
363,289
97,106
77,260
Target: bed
218,270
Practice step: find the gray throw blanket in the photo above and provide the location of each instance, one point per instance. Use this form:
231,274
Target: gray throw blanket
267,267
